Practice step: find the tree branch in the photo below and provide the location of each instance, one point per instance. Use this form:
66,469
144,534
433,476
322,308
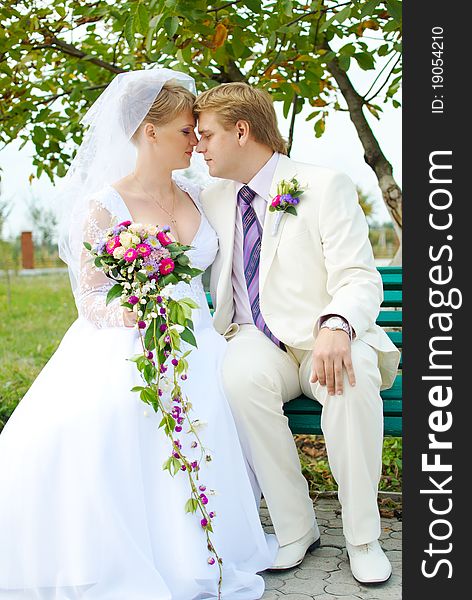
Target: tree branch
54,97
373,154
232,73
71,50
384,83
292,123
209,10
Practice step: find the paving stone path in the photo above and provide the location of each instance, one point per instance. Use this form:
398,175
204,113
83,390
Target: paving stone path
325,572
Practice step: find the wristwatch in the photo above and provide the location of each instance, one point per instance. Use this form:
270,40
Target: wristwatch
334,323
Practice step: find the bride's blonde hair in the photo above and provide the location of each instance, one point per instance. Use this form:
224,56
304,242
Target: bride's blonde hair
234,102
171,100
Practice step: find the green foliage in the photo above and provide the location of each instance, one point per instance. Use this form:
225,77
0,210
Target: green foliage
56,57
315,466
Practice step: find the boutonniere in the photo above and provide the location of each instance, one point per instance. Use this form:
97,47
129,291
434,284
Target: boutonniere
288,196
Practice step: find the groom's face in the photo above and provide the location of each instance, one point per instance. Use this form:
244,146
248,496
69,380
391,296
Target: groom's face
220,147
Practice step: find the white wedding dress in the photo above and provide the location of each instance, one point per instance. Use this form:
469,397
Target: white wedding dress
86,511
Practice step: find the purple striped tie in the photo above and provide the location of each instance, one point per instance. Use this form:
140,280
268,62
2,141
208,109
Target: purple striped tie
252,232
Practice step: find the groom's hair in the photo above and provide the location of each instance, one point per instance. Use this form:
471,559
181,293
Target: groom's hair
234,102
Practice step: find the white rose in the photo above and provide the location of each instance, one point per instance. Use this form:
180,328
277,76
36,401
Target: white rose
119,252
126,239
136,228
136,239
152,230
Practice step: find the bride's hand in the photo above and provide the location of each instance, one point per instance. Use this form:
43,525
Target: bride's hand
129,318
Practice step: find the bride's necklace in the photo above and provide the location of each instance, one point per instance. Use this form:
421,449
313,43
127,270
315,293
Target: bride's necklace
173,220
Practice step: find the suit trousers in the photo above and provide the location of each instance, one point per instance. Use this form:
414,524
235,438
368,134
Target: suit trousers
259,378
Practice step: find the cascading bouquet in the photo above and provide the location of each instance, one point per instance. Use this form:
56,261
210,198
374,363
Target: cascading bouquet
146,262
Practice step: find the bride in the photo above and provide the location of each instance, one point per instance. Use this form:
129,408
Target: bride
86,510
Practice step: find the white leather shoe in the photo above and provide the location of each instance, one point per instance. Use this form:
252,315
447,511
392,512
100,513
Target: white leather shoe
368,562
292,554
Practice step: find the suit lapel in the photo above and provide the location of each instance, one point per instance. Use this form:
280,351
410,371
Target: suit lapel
284,170
223,219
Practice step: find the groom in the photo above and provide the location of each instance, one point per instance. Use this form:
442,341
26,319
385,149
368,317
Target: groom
297,302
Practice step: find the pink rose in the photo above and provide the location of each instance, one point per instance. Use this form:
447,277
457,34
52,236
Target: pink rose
124,224
167,266
164,238
276,200
112,244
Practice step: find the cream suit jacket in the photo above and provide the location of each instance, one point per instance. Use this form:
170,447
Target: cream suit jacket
319,262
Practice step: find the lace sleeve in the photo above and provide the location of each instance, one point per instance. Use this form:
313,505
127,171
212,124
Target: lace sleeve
93,284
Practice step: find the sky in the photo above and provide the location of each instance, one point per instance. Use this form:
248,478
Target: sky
339,148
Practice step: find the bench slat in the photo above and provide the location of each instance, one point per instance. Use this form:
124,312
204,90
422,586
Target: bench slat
392,281
390,269
396,337
390,318
306,406
393,298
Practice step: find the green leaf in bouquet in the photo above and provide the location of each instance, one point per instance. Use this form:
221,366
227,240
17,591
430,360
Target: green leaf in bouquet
188,270
160,355
184,312
183,259
149,373
135,358
168,423
114,292
171,278
141,277
143,397
187,336
141,362
271,208
291,209
88,246
98,262
189,302
180,368
174,466
175,337
175,312
149,339
137,388
191,505
174,248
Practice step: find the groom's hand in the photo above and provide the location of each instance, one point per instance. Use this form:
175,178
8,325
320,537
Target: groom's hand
331,355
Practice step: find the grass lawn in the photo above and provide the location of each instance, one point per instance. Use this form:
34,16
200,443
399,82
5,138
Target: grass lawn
32,325
40,312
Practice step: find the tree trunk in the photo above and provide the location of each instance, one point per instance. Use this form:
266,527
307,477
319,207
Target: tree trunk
373,155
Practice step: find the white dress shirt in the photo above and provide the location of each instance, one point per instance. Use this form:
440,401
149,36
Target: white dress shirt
260,184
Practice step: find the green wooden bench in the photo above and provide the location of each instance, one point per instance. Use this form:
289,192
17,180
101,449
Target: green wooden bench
304,414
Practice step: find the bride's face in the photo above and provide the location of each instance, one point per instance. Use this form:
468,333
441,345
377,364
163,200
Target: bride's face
171,144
